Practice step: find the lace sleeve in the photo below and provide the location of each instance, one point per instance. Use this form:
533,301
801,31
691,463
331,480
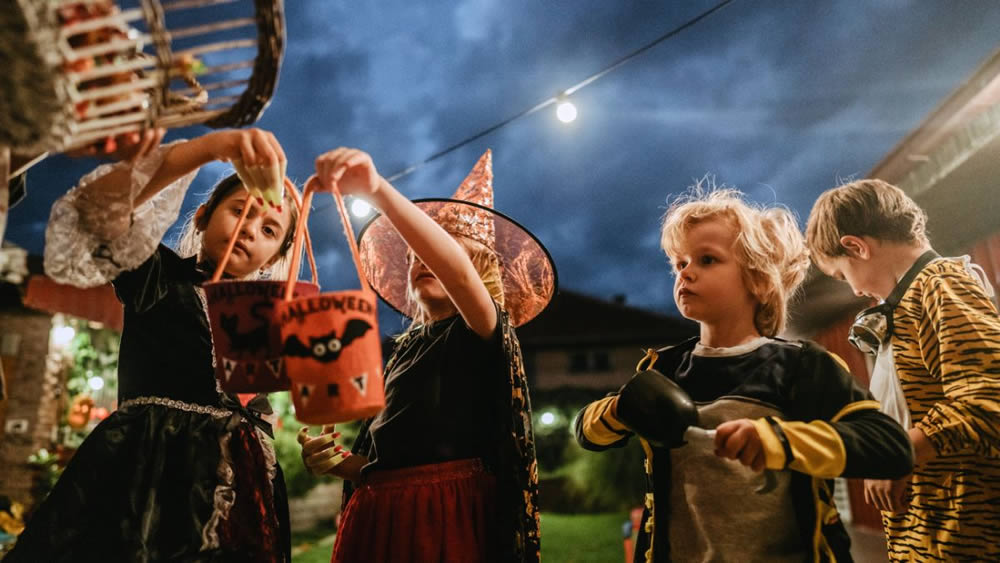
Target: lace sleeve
77,257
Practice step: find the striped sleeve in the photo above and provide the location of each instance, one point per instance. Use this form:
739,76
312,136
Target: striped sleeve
597,427
964,325
836,429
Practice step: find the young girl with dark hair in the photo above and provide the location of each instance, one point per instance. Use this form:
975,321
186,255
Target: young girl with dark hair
180,471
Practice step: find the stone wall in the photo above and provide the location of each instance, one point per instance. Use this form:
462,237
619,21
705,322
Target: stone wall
35,392
317,508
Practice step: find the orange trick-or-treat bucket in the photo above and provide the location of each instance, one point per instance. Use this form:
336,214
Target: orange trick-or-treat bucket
331,344
246,336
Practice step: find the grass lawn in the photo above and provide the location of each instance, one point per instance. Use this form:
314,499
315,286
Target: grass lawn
583,538
566,538
313,546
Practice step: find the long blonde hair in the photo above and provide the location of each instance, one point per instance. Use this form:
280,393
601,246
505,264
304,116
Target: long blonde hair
189,243
769,246
488,266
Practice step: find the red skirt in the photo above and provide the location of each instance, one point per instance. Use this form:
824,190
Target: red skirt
429,513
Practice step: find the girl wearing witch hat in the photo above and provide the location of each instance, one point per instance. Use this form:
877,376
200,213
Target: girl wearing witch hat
446,472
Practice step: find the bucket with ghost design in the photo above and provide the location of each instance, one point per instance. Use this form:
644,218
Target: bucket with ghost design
331,345
246,337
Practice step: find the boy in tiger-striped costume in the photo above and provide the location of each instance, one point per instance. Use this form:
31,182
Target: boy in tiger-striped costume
937,372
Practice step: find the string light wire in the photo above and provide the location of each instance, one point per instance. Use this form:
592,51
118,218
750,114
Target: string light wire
560,96
565,93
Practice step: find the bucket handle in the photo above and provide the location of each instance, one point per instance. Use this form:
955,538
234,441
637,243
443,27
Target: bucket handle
293,272
300,231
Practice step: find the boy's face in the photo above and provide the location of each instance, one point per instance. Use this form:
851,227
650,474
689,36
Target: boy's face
865,279
709,286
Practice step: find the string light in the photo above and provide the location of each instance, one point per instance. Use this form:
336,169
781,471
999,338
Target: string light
565,94
560,98
360,208
566,111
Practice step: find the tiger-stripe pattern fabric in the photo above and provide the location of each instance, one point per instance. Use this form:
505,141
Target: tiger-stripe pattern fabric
946,346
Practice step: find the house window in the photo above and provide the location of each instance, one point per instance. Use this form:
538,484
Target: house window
578,362
602,362
589,361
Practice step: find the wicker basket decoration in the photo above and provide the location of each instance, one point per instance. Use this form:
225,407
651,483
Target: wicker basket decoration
81,72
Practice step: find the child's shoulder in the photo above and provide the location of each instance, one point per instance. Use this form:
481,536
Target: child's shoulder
957,277
956,269
811,353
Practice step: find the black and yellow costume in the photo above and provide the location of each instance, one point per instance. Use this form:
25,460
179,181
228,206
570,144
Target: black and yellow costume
946,347
813,420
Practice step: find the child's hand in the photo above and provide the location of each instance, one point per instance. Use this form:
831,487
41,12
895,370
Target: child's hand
352,170
127,146
738,439
888,495
317,454
253,147
258,159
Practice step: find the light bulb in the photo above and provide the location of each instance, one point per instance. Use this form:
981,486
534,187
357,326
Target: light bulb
62,335
360,208
566,111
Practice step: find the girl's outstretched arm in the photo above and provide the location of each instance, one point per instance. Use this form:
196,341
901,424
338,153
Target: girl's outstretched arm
250,145
354,173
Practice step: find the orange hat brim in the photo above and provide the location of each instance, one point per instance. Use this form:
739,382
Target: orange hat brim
528,272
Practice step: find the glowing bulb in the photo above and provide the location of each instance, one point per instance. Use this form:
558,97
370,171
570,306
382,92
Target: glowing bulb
548,418
96,383
62,335
566,111
360,208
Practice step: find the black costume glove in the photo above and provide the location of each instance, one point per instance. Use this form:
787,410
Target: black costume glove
656,408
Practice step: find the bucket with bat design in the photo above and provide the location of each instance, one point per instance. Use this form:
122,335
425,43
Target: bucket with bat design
331,344
246,338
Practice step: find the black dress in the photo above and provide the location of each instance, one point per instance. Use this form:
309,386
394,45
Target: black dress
181,471
467,398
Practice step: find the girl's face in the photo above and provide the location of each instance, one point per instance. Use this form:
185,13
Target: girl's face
259,239
709,286
426,288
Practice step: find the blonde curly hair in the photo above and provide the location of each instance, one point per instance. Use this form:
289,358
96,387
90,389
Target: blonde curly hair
769,246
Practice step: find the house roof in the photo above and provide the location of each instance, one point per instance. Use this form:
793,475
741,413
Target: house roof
574,319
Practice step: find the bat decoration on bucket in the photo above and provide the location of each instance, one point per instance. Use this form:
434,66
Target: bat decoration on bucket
326,348
253,340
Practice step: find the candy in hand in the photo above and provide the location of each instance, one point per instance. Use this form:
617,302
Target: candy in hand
264,183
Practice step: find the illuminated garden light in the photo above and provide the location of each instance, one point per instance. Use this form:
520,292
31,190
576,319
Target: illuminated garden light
548,418
62,335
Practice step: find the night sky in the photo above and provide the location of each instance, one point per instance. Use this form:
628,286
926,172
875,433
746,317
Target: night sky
779,99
